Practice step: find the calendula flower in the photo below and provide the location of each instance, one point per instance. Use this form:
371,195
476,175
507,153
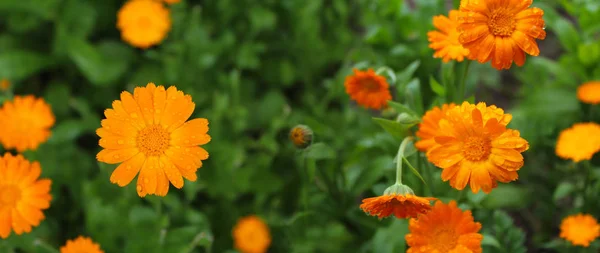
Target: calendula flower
446,228
589,92
4,84
81,244
26,123
399,200
143,23
251,235
23,195
445,40
500,31
475,147
301,136
147,133
368,89
580,229
428,128
579,142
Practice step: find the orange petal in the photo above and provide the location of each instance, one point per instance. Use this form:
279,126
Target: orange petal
132,108
162,185
144,98
171,171
473,33
180,108
526,43
114,156
480,179
462,177
5,222
160,102
126,171
192,133
118,127
110,141
148,178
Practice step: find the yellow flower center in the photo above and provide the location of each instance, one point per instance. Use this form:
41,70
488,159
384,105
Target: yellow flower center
9,195
502,23
153,140
477,148
444,239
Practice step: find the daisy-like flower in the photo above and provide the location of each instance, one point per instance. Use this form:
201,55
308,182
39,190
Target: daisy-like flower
143,23
23,195
251,235
589,92
579,142
147,133
301,136
580,229
500,30
446,228
399,200
26,123
429,126
445,40
368,89
475,147
81,244
4,84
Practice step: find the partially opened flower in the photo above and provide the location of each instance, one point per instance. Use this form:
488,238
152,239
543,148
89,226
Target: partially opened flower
301,136
429,126
446,228
368,89
23,195
474,147
143,23
25,123
500,31
147,133
398,200
445,40
580,229
251,235
579,142
81,245
589,92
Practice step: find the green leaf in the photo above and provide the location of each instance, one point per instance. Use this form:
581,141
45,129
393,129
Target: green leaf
401,108
16,65
490,240
563,190
394,128
391,238
407,74
103,64
437,87
320,151
66,131
520,196
414,171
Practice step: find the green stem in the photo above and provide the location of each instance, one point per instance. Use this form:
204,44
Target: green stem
586,183
38,242
399,159
463,82
429,175
591,113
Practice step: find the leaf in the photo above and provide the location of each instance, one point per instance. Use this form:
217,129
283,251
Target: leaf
414,171
371,174
101,65
520,196
391,238
320,151
490,240
437,87
563,190
19,64
392,127
408,72
402,108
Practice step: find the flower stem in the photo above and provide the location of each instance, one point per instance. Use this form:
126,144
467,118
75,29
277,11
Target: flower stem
587,170
38,242
463,82
399,158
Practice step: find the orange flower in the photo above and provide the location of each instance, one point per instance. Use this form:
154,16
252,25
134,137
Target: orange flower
26,123
500,31
368,89
445,41
400,205
580,229
429,127
251,235
301,136
143,23
446,228
579,142
81,244
147,133
589,92
474,146
4,84
22,195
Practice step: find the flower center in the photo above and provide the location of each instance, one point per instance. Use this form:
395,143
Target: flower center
477,148
370,85
153,140
144,22
9,195
444,240
502,23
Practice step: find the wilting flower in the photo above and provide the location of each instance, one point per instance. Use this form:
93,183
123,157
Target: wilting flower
143,23
301,136
446,228
23,195
251,235
4,84
500,31
475,147
368,89
81,244
399,200
429,126
589,92
147,133
445,40
580,229
25,123
579,142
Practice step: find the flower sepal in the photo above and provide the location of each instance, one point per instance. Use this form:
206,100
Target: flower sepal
399,189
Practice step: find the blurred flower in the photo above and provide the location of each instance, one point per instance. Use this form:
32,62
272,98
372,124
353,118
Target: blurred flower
368,89
301,136
474,146
4,84
26,123
22,195
446,228
399,200
81,244
580,229
500,31
172,1
445,41
589,92
429,126
147,133
579,142
143,23
251,235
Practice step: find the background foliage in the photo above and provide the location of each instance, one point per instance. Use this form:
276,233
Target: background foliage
257,68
